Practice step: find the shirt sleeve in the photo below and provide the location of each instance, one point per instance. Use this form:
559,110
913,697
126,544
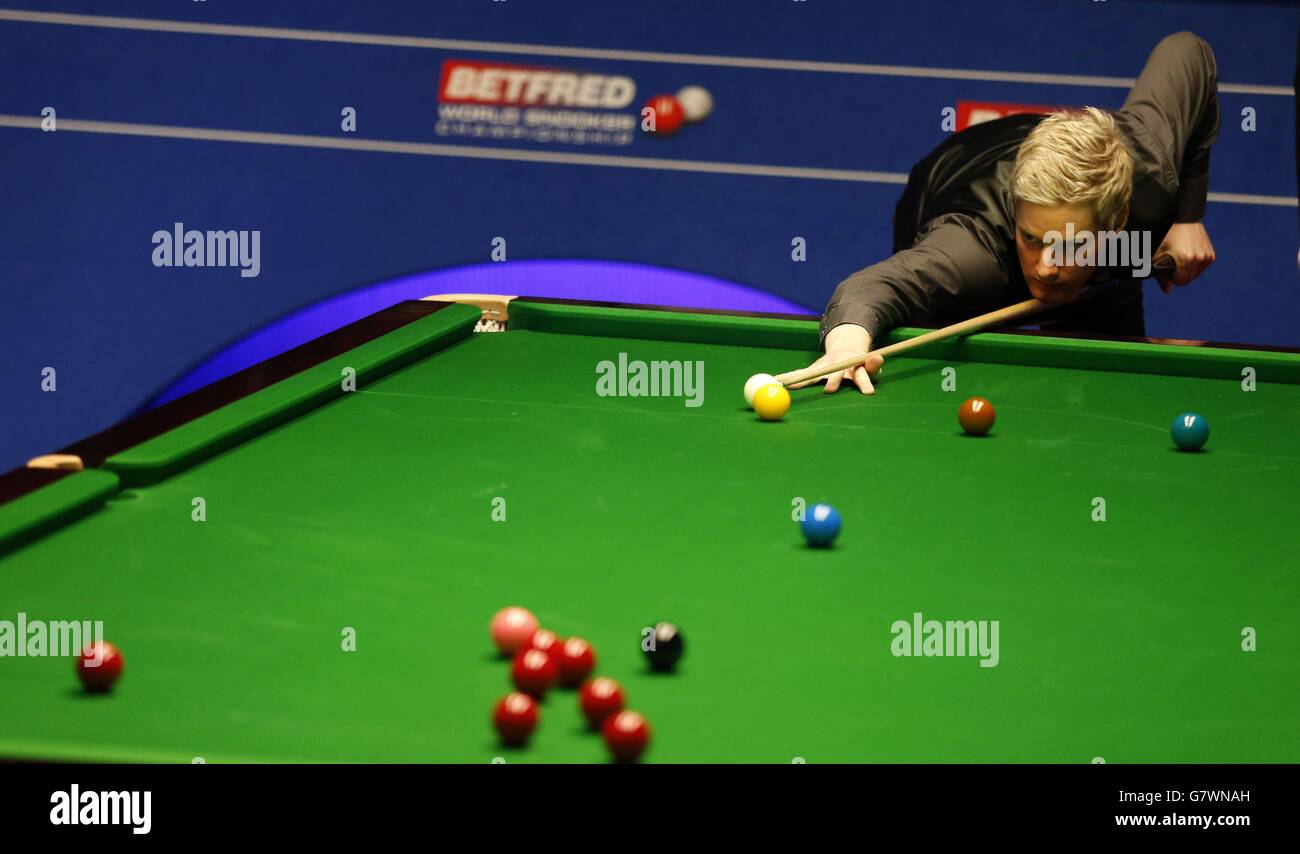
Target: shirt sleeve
948,271
1175,103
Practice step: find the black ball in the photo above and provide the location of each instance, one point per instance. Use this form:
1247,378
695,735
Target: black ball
664,648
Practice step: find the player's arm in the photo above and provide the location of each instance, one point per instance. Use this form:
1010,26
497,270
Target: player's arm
949,272
1175,104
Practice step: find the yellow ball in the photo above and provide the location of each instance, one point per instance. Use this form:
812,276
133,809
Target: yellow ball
771,402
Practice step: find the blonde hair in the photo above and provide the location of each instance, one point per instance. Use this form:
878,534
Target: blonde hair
1076,158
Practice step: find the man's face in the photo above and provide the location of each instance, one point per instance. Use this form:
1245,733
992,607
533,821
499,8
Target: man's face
1046,281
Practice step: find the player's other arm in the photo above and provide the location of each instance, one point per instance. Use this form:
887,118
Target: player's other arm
1175,104
947,272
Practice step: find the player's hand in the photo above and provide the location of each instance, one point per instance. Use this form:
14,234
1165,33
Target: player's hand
842,342
1190,247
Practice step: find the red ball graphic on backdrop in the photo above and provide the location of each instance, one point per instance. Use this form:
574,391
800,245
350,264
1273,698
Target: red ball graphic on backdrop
667,114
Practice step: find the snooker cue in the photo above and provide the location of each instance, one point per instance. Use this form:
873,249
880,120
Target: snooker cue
974,324
1163,263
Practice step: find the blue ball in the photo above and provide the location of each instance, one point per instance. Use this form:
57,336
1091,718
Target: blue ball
821,524
1190,431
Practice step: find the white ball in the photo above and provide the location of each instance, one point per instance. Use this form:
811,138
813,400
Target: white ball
696,103
754,383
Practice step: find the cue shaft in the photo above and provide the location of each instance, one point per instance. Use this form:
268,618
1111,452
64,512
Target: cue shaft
974,324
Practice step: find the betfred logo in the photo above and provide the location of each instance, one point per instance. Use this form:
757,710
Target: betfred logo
500,85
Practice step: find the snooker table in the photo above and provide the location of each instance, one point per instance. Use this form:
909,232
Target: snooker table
373,510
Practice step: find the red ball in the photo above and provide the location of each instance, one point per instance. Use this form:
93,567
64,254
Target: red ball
547,641
577,660
534,672
99,666
626,735
668,113
976,416
600,698
515,718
